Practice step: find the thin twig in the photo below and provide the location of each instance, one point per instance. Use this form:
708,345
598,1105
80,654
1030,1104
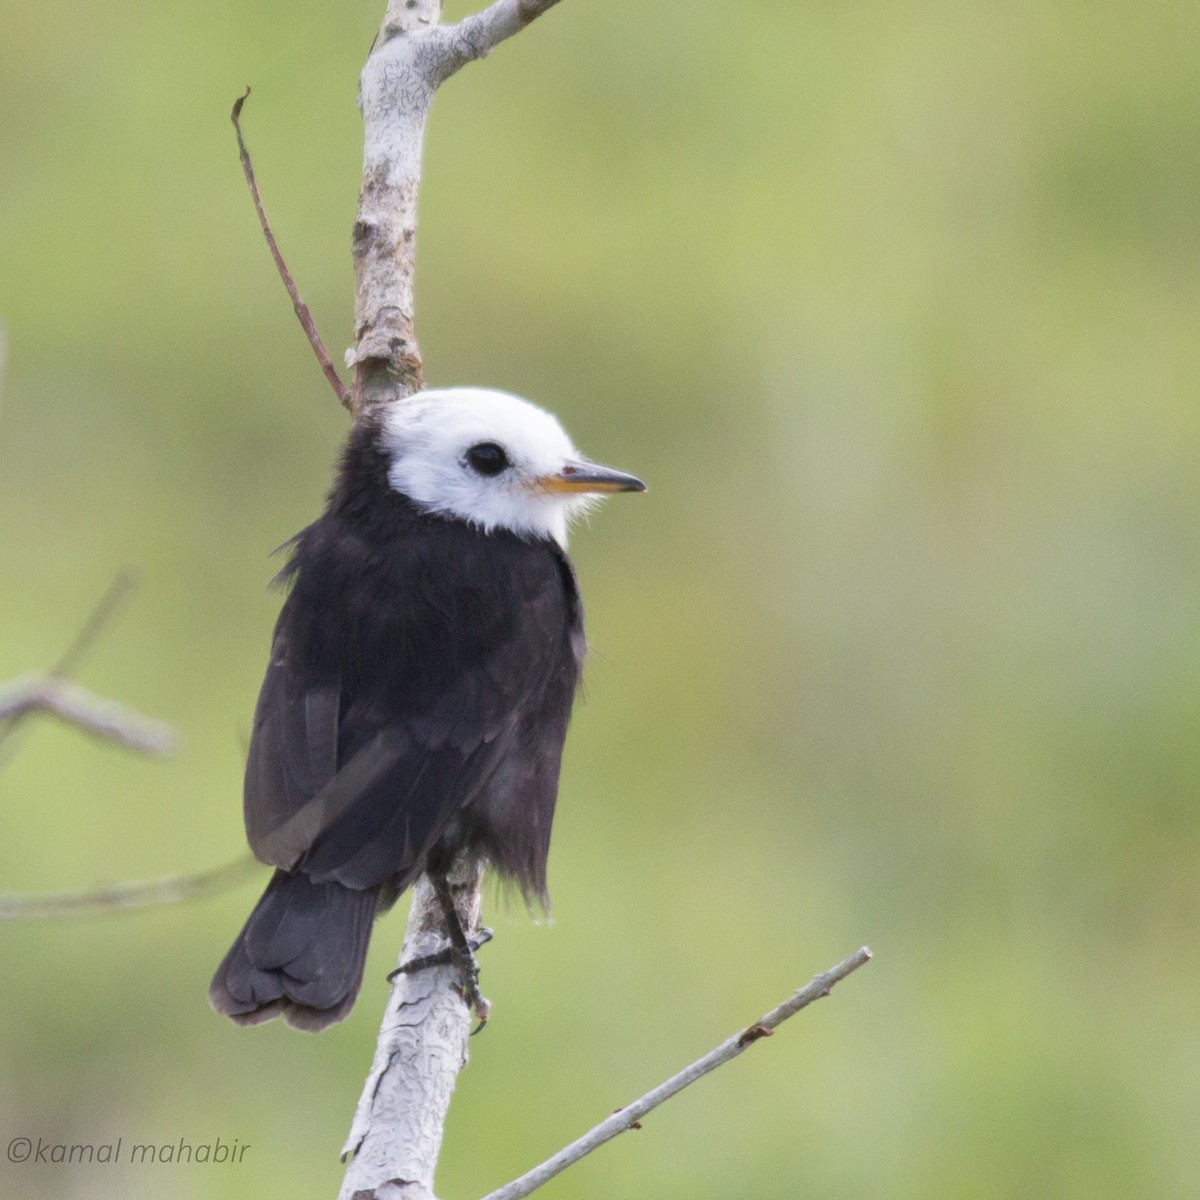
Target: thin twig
629,1116
301,309
72,658
121,588
77,706
125,897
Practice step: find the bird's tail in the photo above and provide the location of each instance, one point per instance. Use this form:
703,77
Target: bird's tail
300,954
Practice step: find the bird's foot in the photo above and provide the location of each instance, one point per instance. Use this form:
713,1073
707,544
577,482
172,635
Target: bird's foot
462,957
441,958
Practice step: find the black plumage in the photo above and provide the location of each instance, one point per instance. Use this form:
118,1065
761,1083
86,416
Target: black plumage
418,693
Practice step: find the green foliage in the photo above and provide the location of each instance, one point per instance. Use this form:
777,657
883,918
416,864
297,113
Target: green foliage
896,309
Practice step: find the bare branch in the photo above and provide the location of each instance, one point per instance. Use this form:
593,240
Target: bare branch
629,1116
303,315
478,35
77,706
126,897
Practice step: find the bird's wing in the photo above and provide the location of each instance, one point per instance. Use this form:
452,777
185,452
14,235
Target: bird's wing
292,759
358,790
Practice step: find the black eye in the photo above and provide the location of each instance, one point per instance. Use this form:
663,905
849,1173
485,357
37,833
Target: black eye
487,458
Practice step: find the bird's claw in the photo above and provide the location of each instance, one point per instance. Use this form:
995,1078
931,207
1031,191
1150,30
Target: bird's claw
440,958
483,1009
468,973
468,988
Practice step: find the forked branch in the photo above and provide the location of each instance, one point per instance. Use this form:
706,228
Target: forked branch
412,56
104,719
52,692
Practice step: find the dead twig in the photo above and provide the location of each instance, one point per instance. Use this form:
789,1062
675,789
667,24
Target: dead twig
301,309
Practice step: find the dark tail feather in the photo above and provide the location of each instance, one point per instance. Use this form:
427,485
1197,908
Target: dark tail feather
301,954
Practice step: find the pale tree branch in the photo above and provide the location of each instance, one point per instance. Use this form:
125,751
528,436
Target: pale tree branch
478,35
104,719
126,897
396,1135
629,1116
397,1130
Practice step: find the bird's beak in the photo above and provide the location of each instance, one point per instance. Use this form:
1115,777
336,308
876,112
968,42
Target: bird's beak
584,478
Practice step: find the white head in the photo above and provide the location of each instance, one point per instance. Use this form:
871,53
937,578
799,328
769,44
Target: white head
494,460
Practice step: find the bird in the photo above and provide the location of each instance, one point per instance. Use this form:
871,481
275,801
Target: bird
421,678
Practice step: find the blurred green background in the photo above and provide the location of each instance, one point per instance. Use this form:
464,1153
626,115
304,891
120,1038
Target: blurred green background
897,308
